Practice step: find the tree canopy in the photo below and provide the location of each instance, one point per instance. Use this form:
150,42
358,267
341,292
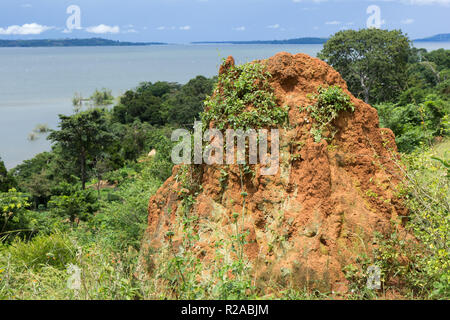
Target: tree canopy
83,137
372,61
6,180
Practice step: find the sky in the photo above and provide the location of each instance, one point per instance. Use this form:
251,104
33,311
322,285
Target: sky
184,21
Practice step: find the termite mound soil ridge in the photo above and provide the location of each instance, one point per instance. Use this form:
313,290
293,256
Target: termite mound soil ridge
318,214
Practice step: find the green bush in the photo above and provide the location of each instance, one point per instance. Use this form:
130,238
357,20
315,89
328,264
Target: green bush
6,180
13,214
428,197
415,125
54,250
74,203
120,224
419,266
329,103
243,99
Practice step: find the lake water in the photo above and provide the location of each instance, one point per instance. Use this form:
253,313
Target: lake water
37,84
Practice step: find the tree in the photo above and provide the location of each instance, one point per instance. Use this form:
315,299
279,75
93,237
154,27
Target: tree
440,57
74,203
83,136
144,103
6,180
372,61
183,107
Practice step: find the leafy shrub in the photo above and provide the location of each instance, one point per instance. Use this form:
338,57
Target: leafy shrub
415,125
416,267
428,198
102,98
329,103
120,224
6,180
74,203
243,99
13,213
54,250
103,274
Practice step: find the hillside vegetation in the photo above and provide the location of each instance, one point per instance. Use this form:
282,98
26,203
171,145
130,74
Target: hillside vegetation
72,220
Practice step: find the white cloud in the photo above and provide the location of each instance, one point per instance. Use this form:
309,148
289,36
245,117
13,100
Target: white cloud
28,28
102,28
26,5
407,21
274,26
242,28
333,22
185,28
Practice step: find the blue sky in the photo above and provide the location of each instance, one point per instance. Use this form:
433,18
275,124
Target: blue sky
183,21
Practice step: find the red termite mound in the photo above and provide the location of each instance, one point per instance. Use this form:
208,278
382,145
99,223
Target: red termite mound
321,210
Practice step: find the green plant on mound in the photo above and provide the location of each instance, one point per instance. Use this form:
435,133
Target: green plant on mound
243,99
329,103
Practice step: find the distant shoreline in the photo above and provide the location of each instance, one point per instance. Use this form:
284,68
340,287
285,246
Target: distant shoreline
93,42
100,42
288,41
444,37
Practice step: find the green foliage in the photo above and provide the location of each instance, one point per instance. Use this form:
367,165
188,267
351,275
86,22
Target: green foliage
420,113
185,105
6,180
244,99
43,268
74,203
329,102
372,61
13,213
415,125
83,137
416,267
38,176
162,103
54,250
102,98
120,224
440,57
144,103
427,194
43,245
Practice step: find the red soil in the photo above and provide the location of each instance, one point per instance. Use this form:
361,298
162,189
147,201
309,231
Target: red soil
321,210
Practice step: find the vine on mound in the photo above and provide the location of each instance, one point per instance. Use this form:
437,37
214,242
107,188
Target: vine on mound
243,99
329,103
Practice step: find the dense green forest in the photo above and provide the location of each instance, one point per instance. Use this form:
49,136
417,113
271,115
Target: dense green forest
84,203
